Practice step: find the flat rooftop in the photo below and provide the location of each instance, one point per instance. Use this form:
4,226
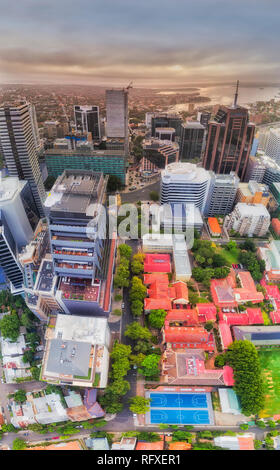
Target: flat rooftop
76,191
80,289
69,357
85,329
45,276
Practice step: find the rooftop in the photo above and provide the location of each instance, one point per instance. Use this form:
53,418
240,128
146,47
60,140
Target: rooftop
76,191
69,357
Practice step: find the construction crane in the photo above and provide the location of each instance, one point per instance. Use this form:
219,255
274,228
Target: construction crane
129,86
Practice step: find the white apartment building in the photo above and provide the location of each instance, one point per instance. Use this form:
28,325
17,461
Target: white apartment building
248,219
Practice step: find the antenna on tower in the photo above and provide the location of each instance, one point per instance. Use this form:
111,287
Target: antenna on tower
236,94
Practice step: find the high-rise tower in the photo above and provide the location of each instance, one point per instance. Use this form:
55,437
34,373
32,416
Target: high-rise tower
229,140
20,148
87,120
117,116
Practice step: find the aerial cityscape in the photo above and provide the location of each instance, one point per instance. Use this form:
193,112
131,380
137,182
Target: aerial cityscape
139,228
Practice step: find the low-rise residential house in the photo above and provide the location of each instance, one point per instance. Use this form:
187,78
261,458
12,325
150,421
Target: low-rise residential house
239,442
126,443
45,409
159,445
13,366
77,352
69,445
97,443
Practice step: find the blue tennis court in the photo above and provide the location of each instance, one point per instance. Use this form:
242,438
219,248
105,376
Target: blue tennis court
180,416
178,400
180,408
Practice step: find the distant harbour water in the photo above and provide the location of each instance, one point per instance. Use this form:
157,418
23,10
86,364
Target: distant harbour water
225,95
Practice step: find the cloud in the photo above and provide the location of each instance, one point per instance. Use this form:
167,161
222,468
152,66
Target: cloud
149,40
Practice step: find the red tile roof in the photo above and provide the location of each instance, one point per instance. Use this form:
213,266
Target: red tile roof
186,315
206,312
275,316
255,316
246,443
181,292
154,304
228,376
225,334
159,445
157,263
234,318
190,337
150,278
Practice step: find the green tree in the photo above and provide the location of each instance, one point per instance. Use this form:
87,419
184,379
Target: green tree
136,331
125,251
257,444
119,351
137,291
137,308
19,444
231,245
114,184
137,359
139,405
179,436
150,366
28,356
20,396
242,356
9,326
157,317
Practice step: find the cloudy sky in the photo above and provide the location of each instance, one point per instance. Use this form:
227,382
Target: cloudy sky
152,42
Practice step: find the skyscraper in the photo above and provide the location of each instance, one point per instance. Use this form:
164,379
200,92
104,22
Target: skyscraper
117,115
229,140
87,120
192,140
8,256
20,148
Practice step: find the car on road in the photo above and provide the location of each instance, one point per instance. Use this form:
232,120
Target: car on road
56,437
134,415
122,305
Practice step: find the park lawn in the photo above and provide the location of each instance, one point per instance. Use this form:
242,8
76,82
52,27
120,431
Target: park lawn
231,256
270,364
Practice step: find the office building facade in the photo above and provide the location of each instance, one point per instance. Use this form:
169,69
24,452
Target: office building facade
229,141
185,183
192,141
109,162
87,120
8,257
117,115
20,149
